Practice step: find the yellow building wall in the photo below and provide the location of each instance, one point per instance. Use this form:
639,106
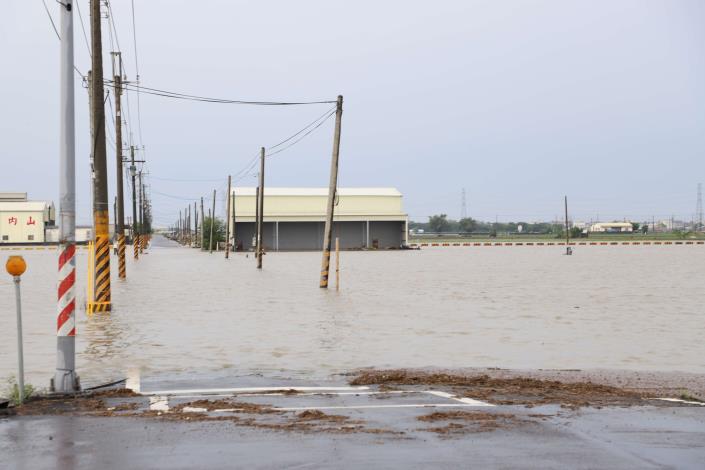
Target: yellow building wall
19,226
310,208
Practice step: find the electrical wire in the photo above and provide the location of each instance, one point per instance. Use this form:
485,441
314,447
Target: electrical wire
85,36
183,96
53,25
331,113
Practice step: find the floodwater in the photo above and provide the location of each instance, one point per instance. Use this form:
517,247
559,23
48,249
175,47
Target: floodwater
182,311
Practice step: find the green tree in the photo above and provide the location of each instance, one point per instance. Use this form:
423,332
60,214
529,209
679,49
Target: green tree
467,225
635,226
218,232
438,223
645,229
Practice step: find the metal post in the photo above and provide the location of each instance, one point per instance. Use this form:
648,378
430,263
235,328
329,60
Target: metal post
227,222
210,242
20,352
100,170
328,230
65,379
260,206
232,204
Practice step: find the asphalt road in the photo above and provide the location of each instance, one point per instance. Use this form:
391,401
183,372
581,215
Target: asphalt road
642,437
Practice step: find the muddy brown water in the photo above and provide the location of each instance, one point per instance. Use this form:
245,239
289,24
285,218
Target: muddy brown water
621,307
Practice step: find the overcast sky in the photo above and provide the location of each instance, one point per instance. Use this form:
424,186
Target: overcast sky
518,102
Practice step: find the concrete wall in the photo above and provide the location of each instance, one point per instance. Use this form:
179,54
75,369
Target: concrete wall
294,236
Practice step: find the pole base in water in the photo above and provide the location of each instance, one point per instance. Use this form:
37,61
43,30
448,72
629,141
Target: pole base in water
65,379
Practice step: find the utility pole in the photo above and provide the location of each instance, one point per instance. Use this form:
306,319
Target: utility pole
65,379
100,169
120,213
203,219
135,231
141,211
699,208
195,224
256,220
328,231
260,207
232,203
568,251
227,222
210,241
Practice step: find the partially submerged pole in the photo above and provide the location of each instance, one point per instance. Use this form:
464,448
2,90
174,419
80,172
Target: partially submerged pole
227,221
120,209
65,379
135,230
568,249
203,219
332,188
260,207
100,170
210,242
232,204
337,263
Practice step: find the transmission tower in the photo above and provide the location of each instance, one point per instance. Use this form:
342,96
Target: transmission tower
699,207
463,206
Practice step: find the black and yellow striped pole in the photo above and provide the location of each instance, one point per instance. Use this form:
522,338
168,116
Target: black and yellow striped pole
120,209
328,231
100,170
135,225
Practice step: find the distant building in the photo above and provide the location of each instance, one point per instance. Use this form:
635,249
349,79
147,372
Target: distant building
23,221
294,218
612,227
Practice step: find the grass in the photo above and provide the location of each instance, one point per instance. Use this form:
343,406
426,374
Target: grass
13,390
552,238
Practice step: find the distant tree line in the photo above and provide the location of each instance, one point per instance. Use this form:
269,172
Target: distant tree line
440,223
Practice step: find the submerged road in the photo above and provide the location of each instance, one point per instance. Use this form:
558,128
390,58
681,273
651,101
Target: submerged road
642,438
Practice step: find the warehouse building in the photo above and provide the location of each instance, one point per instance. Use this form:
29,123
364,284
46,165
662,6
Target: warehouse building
294,218
612,227
23,221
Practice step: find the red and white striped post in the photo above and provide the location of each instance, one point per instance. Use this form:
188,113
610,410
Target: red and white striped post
65,380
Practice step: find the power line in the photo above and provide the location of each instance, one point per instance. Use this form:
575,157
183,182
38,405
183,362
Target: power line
323,116
183,96
53,25
85,36
331,113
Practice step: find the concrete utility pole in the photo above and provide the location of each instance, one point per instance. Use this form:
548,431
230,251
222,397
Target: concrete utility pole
65,379
568,251
141,211
100,169
232,204
135,231
328,231
260,206
203,219
195,224
210,241
227,222
120,213
256,220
